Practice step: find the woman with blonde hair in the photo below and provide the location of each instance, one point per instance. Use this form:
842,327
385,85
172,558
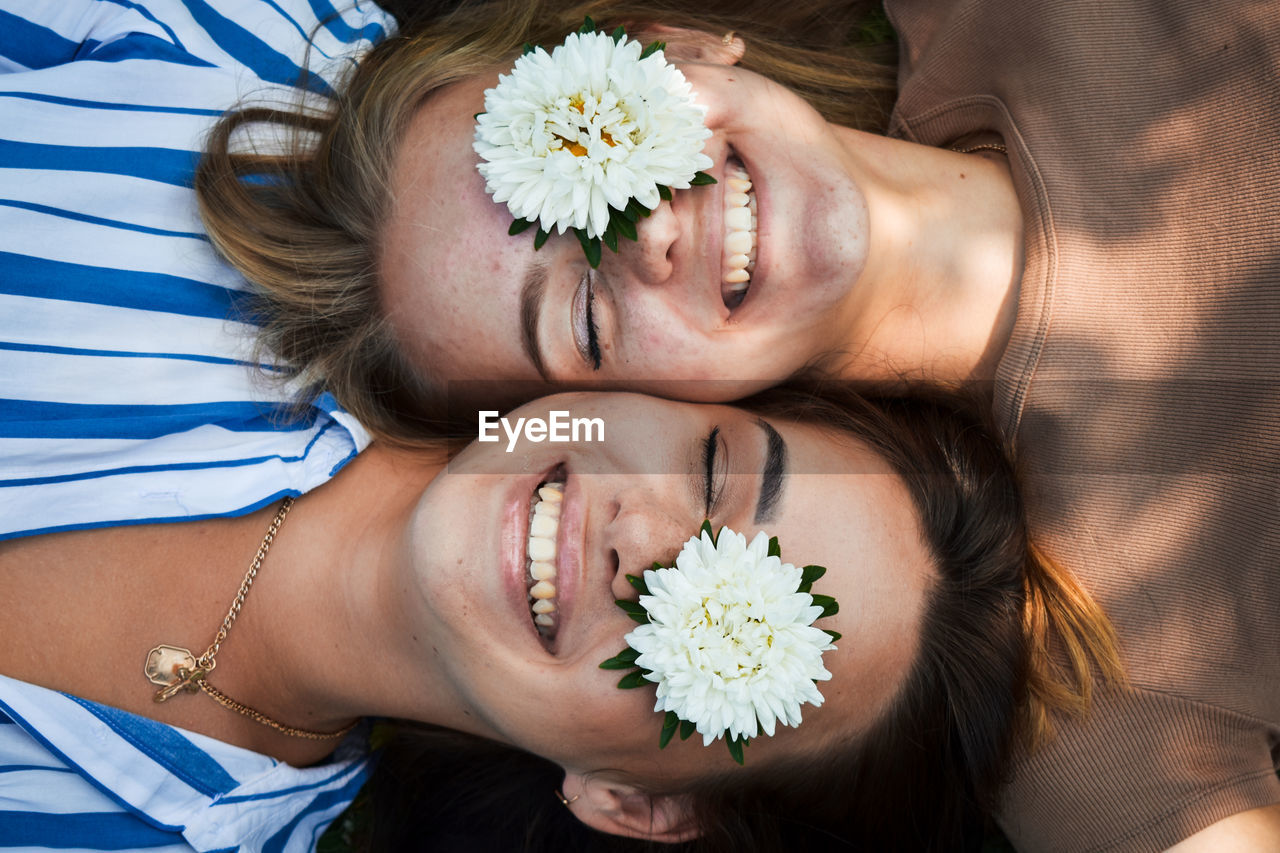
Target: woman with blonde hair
1074,210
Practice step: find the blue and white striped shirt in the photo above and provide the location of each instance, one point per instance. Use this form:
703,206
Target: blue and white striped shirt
79,776
125,392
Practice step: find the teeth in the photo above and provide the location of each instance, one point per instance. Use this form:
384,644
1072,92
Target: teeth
739,242
738,219
544,527
739,234
542,550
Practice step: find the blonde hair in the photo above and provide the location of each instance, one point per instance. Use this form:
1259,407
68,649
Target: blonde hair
303,224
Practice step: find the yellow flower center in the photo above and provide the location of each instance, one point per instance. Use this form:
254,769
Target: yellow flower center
574,147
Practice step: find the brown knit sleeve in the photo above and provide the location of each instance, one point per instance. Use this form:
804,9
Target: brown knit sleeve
1145,771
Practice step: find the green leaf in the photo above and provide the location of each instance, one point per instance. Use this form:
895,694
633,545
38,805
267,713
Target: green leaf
706,528
653,48
657,565
632,680
625,228
610,237
634,610
588,26
701,179
619,34
590,246
527,49
475,116
669,725
775,550
519,226
633,211
687,729
540,238
828,605
834,635
809,574
664,192
638,583
735,748
624,659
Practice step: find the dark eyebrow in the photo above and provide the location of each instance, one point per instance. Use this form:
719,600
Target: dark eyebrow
775,468
535,285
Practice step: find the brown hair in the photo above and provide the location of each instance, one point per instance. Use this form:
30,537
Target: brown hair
303,224
927,771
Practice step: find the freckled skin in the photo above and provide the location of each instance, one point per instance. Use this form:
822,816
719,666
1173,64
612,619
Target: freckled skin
659,305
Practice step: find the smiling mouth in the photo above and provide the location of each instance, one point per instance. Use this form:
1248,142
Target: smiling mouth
540,570
739,234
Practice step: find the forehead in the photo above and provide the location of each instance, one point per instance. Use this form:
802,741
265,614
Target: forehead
845,509
449,271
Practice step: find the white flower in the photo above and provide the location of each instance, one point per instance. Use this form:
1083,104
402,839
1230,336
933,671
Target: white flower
730,640
566,136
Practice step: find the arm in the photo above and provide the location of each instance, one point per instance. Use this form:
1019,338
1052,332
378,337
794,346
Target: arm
1256,829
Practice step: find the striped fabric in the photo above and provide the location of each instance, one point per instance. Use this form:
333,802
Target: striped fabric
126,394
78,776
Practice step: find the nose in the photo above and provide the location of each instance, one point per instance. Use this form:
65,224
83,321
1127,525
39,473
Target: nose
649,259
642,531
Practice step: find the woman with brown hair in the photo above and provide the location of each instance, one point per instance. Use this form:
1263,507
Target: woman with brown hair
1073,209
402,589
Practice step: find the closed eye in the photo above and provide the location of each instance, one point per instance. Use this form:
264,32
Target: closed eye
586,334
713,485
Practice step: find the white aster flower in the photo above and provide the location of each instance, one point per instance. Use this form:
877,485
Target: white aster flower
566,136
730,640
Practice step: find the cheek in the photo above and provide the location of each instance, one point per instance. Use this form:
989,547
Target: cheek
587,726
660,345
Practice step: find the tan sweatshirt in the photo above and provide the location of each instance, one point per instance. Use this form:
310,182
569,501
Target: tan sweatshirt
1141,386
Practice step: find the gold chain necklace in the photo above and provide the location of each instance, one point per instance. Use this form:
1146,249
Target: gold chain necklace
178,671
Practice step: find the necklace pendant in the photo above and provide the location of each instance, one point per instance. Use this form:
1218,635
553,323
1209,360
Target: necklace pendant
188,682
166,665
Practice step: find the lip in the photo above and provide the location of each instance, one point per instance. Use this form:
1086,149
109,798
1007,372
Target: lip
717,235
570,546
515,537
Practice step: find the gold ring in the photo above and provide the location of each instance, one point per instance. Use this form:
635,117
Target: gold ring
727,38
561,797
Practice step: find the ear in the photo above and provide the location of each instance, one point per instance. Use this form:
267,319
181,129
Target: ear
685,45
621,809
